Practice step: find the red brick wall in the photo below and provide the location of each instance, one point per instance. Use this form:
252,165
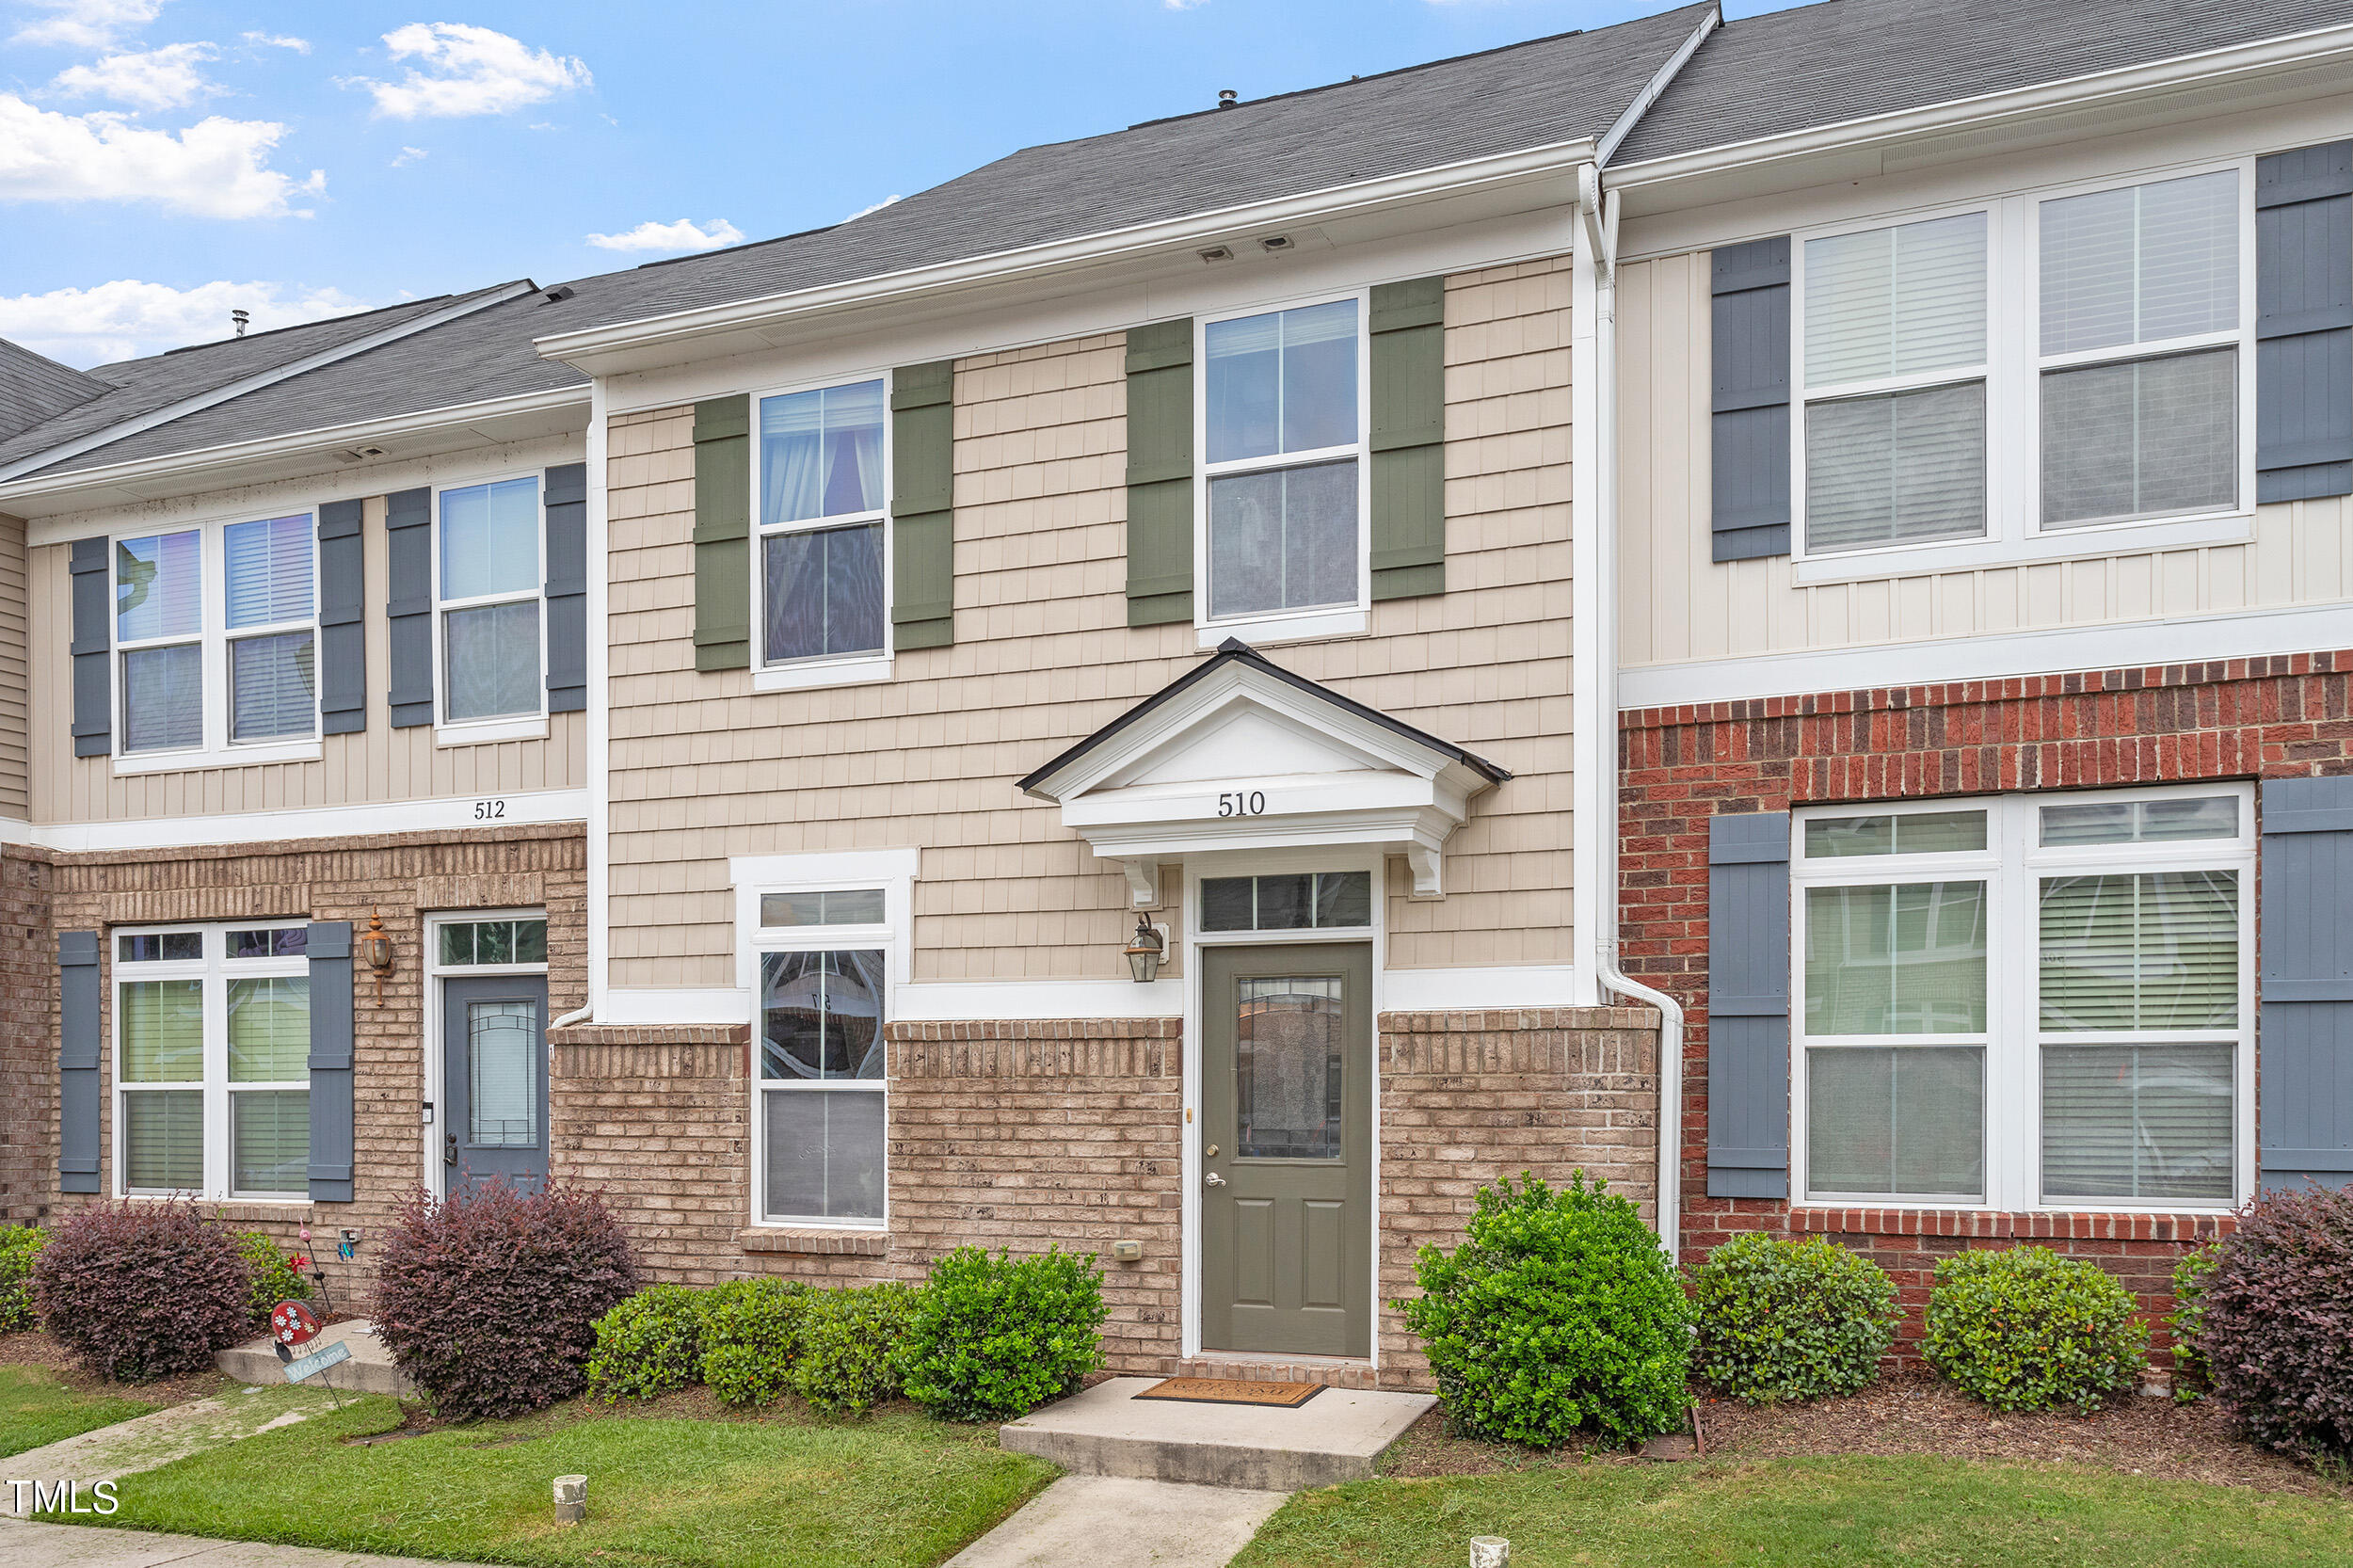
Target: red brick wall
29,1048
2248,718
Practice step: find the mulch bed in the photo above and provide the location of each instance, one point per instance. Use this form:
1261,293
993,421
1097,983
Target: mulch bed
1920,1413
37,1349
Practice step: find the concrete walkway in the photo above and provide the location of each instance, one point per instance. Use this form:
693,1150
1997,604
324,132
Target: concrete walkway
26,1544
1116,1522
145,1442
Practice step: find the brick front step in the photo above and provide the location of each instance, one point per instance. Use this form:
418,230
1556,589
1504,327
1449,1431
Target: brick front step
1331,1371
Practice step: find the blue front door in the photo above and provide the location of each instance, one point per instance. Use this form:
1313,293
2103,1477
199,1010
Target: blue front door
494,1093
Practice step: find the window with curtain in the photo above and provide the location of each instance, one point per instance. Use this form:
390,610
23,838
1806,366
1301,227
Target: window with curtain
822,1003
1895,357
1282,459
1933,1024
822,510
2140,345
211,1060
487,538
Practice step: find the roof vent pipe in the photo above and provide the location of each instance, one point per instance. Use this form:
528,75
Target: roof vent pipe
239,318
1226,97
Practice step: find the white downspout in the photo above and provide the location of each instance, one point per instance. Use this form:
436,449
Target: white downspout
599,745
1593,359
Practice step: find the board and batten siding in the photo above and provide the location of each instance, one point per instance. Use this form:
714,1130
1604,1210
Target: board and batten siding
379,764
1676,605
704,767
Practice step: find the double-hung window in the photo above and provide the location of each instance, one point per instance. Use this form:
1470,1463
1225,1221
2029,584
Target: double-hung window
489,541
212,1029
2030,1002
823,565
824,956
205,669
1282,421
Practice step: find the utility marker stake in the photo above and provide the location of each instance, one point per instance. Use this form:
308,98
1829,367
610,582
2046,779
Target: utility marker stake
1490,1551
572,1499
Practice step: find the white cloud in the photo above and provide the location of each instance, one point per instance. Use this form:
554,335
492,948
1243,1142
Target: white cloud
161,78
1189,4
875,208
87,23
217,167
469,70
407,156
124,319
275,40
685,234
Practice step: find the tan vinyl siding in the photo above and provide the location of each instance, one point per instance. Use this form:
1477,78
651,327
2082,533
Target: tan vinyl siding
15,758
704,767
1677,605
380,765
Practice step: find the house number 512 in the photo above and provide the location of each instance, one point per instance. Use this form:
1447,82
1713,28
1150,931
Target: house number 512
1238,803
490,810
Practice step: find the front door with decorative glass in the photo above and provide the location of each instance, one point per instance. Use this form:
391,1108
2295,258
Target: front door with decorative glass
494,1096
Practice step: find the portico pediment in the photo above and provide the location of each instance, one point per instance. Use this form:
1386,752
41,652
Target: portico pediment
1239,754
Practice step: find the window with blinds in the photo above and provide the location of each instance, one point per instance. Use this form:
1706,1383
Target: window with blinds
216,633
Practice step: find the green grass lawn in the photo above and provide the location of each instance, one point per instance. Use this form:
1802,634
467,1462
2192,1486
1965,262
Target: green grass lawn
1841,1512
37,1409
896,1489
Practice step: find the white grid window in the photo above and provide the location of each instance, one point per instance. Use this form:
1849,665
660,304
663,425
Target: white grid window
212,1029
488,574
824,538
216,634
2029,1001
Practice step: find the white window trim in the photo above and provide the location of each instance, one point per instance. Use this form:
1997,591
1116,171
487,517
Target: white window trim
214,636
891,869
1283,625
842,669
2013,865
499,727
215,971
2014,532
435,1061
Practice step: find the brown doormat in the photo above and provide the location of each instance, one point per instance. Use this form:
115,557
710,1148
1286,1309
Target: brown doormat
1283,1396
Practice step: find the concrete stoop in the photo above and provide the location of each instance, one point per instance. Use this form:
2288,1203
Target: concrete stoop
370,1371
1106,1430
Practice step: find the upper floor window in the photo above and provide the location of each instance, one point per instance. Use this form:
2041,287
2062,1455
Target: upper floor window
489,604
1283,464
822,555
203,666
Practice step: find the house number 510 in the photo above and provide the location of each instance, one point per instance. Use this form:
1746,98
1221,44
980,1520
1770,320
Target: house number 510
1238,803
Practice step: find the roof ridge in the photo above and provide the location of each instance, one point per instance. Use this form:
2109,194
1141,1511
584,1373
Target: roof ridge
315,321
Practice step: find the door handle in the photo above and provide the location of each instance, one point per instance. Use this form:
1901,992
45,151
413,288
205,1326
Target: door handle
449,1148
1214,1179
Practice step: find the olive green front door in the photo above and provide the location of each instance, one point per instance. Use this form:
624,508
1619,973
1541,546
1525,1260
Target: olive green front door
1287,1149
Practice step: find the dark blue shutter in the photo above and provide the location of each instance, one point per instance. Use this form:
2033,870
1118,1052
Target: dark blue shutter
92,648
2304,323
566,502
331,1060
80,1041
1749,428
1748,1005
2304,1090
408,605
342,620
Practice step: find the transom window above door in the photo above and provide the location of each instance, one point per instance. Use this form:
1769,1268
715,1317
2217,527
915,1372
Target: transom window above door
1287,901
824,572
216,629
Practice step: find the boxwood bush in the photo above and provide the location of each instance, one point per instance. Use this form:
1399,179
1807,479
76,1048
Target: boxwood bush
849,1347
2278,1328
1790,1319
2023,1328
2187,1320
648,1346
489,1298
19,1246
1559,1312
275,1278
990,1338
750,1332
142,1289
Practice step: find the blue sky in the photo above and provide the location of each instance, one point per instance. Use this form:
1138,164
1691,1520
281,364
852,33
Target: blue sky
162,161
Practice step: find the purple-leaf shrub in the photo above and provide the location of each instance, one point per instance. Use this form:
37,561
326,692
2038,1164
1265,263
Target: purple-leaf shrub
2277,1334
490,1298
143,1289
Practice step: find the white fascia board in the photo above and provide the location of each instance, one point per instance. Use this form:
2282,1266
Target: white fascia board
1666,74
1400,829
587,348
667,1007
187,405
2236,65
966,1001
1483,989
318,822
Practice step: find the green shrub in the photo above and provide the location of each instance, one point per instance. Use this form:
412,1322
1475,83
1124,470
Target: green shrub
2026,1329
2187,1320
989,1338
1790,1319
1558,1311
751,1337
850,1344
19,1246
648,1346
275,1278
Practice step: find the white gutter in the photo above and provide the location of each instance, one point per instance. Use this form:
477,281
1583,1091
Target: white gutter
187,405
600,743
1657,83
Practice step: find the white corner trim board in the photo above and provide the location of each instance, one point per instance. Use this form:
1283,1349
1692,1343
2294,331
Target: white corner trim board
319,822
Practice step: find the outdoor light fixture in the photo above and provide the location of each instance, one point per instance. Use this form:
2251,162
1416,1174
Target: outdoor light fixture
1144,952
377,948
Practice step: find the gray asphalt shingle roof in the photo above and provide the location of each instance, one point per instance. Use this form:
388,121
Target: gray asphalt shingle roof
1849,60
33,388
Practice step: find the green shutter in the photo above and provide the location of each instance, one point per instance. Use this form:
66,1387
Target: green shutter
922,502
723,531
1160,472
1408,438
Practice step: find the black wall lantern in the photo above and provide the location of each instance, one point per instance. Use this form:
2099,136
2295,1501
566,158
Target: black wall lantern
1144,952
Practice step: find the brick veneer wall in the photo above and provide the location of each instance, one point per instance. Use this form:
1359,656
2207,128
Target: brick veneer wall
402,876
28,1051
2248,718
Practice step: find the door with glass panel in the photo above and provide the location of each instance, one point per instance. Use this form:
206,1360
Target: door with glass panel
1287,1149
494,1094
